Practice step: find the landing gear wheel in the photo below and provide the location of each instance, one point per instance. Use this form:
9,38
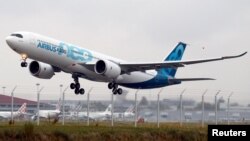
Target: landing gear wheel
72,86
110,85
77,91
119,91
115,92
24,64
82,91
77,86
115,86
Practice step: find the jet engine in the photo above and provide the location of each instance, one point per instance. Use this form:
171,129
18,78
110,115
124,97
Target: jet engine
41,70
107,68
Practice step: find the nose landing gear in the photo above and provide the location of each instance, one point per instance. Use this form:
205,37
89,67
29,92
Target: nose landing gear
24,63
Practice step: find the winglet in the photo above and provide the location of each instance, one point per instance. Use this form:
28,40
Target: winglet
243,53
236,56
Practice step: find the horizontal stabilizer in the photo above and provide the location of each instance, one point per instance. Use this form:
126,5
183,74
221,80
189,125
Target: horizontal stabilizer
188,79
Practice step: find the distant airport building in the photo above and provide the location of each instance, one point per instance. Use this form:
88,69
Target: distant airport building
5,104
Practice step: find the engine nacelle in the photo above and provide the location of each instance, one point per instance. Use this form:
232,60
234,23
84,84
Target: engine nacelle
41,70
107,68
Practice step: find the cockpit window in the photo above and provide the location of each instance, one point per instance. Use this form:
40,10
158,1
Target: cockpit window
17,35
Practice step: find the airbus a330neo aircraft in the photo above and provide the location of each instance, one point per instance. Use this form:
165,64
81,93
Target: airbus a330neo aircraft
52,56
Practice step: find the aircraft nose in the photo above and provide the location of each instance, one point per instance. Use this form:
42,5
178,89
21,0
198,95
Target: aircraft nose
9,40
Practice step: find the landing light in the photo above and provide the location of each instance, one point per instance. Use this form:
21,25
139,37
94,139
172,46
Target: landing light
24,56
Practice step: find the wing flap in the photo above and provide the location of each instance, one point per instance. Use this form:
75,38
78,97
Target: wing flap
129,67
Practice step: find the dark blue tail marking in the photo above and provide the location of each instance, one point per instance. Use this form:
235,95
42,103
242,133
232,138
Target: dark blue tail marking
175,55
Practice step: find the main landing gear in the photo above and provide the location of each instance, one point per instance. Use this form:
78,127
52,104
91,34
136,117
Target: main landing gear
115,88
78,90
77,86
24,63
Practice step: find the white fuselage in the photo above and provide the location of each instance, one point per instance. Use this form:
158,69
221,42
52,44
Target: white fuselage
129,115
7,114
69,57
49,114
105,115
94,115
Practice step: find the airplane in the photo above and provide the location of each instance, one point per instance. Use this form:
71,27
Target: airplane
130,112
103,115
49,114
51,56
18,113
74,112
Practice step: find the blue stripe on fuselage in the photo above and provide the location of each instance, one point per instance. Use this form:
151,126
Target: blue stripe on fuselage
158,81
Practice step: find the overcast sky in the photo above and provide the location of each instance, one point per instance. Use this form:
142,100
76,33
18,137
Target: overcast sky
134,30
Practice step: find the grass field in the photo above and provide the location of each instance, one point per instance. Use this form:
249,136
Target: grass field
102,132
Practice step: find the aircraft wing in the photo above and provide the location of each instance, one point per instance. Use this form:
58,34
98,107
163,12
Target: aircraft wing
129,67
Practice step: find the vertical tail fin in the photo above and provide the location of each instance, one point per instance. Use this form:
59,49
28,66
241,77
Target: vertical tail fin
131,109
108,109
22,109
78,107
175,55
